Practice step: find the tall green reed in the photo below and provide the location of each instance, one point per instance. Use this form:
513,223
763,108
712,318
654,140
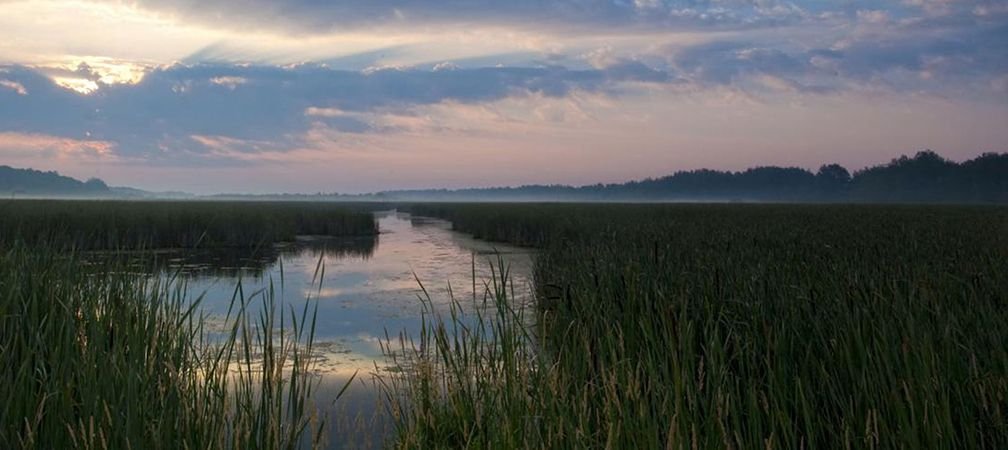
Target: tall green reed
113,225
728,327
463,381
102,358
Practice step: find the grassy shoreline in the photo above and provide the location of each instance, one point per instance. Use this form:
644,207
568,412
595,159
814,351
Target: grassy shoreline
99,353
713,326
654,326
104,358
113,225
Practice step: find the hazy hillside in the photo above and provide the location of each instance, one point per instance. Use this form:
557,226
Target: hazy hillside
32,183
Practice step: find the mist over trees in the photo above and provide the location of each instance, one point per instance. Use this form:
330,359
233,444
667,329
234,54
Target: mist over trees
924,178
929,177
30,182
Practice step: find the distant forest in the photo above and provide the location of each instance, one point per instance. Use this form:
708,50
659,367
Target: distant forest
924,178
28,182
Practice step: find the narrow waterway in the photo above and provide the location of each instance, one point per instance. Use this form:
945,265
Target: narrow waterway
363,290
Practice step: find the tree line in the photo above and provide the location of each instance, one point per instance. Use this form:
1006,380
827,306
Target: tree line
14,182
925,177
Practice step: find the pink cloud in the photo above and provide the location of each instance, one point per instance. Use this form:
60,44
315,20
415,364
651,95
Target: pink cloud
45,146
14,86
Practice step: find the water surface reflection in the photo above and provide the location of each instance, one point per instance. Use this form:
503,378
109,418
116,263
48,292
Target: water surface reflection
369,287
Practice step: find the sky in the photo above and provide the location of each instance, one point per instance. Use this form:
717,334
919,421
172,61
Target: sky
358,96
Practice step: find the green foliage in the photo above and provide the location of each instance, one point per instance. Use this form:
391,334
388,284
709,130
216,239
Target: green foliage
700,326
93,225
101,358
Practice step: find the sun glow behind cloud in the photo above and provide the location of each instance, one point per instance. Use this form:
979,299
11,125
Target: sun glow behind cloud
88,74
56,30
80,85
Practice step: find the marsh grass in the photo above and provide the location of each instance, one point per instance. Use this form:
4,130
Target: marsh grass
117,225
722,327
462,382
103,358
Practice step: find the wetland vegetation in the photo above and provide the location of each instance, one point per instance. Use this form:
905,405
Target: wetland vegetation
724,326
99,354
117,225
648,326
99,357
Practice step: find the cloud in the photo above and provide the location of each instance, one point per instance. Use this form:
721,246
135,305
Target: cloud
956,55
18,145
187,111
229,82
190,82
161,113
313,16
726,62
14,86
874,16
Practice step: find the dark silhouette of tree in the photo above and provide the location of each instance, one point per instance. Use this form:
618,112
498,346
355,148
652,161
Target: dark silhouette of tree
925,177
96,185
985,178
34,182
832,181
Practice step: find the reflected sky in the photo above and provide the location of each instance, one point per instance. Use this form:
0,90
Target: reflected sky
363,294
